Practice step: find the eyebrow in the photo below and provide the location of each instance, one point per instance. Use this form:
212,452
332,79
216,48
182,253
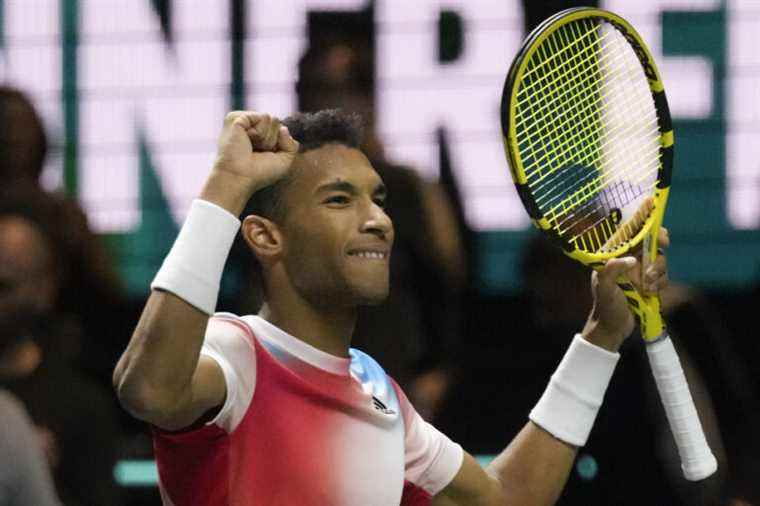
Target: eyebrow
345,186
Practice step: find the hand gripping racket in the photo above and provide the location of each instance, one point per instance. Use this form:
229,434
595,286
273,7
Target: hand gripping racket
589,140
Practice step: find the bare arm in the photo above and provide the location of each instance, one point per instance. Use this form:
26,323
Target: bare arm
161,377
533,469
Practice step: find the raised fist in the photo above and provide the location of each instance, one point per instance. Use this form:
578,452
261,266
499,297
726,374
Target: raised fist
255,148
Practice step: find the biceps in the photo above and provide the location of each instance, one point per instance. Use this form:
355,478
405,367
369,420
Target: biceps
206,395
209,388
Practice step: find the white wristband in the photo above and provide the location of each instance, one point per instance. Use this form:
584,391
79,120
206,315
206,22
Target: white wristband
193,268
569,405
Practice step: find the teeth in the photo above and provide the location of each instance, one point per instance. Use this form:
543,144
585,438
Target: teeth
370,254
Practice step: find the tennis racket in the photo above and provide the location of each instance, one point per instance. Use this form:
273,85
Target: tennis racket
589,140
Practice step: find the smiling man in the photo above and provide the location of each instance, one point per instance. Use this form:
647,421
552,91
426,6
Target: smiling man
276,408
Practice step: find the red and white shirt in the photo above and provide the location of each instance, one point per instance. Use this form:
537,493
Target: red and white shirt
301,427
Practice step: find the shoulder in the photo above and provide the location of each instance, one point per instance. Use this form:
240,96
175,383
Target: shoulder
227,331
230,342
223,323
373,378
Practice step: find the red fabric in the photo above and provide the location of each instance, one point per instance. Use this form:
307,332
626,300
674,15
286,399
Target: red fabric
261,459
415,496
190,467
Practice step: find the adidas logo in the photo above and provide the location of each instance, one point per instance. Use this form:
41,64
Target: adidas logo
378,404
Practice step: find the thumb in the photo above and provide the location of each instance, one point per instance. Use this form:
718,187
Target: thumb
615,268
285,142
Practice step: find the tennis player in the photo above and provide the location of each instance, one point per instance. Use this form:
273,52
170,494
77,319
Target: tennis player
276,408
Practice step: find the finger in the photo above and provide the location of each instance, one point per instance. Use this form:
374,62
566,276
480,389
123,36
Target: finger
243,119
285,142
270,139
615,268
654,283
661,283
656,275
663,238
232,116
261,128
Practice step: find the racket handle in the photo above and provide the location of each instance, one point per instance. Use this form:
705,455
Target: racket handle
697,460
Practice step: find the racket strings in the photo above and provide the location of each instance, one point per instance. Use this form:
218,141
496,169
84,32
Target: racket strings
588,107
559,53
628,230
569,217
546,180
604,224
649,157
593,87
568,119
585,158
546,117
546,77
613,200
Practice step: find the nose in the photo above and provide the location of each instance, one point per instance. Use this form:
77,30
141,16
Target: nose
377,222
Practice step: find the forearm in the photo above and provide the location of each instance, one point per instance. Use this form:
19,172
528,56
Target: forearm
534,468
536,464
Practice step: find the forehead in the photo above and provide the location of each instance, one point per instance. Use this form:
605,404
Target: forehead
334,162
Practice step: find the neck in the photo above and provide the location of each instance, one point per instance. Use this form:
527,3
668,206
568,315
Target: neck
329,331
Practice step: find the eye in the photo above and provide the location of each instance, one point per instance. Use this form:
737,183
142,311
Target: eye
380,202
339,200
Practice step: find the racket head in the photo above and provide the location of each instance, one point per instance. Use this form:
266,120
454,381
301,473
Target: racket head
587,133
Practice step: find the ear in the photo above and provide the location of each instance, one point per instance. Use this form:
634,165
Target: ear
263,237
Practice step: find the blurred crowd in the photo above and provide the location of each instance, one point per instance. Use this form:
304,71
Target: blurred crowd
473,364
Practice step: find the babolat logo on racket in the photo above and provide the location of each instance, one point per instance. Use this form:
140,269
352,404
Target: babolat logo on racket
616,216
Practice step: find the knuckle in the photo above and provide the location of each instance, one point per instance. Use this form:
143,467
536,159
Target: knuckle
232,116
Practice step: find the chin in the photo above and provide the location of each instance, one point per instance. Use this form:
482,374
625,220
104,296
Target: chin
373,301
373,296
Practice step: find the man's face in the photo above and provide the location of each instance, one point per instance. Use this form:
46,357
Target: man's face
336,236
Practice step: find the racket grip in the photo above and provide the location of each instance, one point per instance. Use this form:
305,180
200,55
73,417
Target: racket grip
697,460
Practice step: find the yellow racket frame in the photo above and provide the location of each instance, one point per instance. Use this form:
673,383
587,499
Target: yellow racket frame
646,309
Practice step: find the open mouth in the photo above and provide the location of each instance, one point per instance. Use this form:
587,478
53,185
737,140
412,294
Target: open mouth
370,255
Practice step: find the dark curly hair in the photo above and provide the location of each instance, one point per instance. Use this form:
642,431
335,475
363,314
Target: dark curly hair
312,131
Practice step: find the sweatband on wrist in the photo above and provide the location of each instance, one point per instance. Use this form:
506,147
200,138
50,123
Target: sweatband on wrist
569,405
193,268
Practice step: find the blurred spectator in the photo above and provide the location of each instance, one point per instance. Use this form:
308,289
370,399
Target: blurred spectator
74,417
88,286
24,476
414,333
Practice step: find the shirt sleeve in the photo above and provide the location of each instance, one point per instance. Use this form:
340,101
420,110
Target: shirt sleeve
431,459
229,341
